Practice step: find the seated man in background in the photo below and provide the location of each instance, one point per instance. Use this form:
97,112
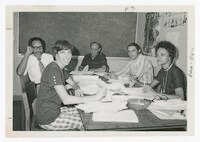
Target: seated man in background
170,78
35,60
96,60
139,69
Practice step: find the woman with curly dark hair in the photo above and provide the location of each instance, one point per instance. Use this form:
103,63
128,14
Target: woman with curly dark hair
170,78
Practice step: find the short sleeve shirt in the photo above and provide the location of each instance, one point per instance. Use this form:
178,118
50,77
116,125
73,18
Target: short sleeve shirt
175,79
33,68
48,103
99,61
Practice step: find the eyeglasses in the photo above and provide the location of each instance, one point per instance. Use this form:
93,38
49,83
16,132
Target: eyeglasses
36,47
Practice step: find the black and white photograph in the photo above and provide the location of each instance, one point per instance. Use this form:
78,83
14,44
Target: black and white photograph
109,69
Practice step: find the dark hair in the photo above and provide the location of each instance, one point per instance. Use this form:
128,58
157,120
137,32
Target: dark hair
61,45
99,45
136,45
171,48
37,39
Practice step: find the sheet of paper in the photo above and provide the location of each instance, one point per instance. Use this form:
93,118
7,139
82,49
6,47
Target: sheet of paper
100,73
89,88
108,97
82,72
115,86
113,106
120,116
132,91
162,115
136,93
86,78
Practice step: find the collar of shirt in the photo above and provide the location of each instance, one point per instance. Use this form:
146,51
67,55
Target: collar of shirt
95,56
35,58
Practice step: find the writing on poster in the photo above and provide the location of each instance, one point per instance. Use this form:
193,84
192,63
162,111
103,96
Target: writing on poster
175,19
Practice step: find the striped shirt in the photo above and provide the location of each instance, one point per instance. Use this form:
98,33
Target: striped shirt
140,67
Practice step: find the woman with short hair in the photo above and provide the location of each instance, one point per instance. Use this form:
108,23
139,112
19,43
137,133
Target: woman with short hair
49,113
170,78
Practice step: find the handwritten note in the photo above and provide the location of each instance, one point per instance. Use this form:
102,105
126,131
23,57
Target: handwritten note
191,61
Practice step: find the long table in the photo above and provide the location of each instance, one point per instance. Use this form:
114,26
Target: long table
147,122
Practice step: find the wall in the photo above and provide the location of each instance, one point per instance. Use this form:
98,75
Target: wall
80,28
115,63
16,57
181,42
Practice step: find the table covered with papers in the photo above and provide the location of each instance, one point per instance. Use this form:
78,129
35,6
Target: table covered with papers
112,112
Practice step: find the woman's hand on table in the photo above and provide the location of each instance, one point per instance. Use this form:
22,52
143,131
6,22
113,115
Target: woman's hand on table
149,90
79,92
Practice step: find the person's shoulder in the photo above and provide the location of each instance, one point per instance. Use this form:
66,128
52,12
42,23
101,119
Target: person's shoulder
177,71
47,55
31,57
102,55
86,56
147,59
52,65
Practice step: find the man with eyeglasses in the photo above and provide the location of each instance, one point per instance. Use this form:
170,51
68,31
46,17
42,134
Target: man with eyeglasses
35,60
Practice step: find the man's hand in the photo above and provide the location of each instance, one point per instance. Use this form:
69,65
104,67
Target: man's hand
29,50
80,68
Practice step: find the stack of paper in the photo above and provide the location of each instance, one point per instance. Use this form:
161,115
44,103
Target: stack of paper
168,115
120,116
89,88
169,109
99,106
86,78
172,104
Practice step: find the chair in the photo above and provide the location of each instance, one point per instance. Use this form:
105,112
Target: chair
107,68
29,96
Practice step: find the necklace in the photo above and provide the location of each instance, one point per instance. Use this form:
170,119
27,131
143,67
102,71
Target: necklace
164,81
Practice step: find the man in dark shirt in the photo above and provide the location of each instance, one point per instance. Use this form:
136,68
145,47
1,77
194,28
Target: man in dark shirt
95,60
